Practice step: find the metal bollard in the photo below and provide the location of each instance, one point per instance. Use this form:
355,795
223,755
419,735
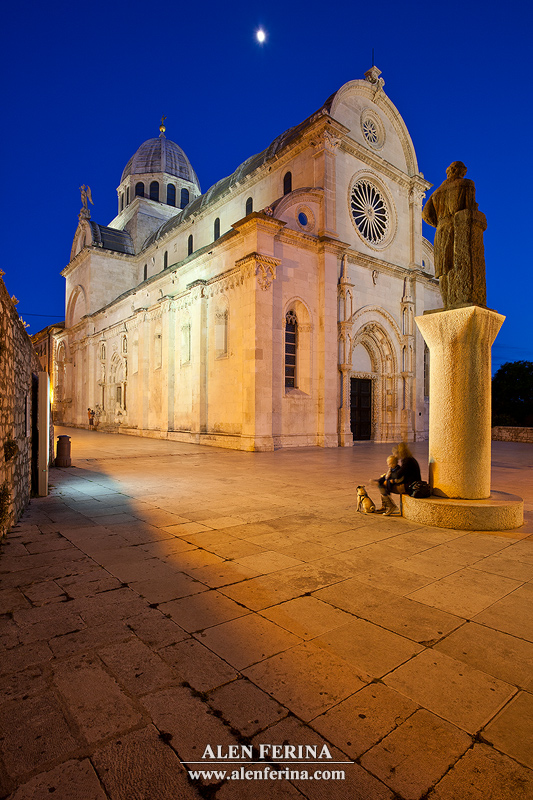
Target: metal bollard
63,452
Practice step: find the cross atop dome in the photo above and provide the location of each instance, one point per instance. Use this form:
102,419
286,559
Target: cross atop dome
162,127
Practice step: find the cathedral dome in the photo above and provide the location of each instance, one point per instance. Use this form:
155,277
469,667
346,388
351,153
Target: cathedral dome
160,155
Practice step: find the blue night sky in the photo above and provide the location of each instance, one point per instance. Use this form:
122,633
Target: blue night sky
87,84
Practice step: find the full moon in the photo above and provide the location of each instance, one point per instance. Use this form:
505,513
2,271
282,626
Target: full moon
260,36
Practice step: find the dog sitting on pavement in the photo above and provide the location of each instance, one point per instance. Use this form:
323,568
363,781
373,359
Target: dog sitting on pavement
364,503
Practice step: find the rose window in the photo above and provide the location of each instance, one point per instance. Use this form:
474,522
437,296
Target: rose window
369,211
370,131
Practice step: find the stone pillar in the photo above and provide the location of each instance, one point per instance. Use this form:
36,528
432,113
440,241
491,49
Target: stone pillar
258,272
324,156
460,342
345,326
327,342
416,195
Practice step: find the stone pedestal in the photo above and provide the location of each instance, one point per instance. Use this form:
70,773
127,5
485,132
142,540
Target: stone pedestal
460,342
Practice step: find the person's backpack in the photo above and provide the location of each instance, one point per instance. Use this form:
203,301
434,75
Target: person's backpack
420,489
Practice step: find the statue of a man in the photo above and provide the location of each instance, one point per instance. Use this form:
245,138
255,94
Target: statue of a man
459,254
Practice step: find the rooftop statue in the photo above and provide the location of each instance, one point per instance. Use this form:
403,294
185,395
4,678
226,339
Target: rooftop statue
459,254
85,196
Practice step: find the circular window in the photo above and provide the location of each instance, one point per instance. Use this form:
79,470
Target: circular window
372,128
371,213
304,218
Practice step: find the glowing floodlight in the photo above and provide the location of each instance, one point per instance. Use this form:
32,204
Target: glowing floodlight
260,36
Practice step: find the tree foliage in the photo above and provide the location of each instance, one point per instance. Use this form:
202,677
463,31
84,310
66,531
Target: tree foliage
512,394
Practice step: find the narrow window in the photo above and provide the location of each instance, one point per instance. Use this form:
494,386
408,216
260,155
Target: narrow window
221,332
287,183
216,229
127,195
171,195
165,260
426,370
249,206
139,189
184,198
291,333
186,343
145,271
154,191
189,245
122,201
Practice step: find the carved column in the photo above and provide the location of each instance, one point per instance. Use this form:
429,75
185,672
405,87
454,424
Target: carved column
345,326
417,192
407,309
325,176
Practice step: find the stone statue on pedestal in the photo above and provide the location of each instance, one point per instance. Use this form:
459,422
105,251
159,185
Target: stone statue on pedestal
459,254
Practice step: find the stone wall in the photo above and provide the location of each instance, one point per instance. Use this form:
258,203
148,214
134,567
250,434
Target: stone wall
18,363
511,434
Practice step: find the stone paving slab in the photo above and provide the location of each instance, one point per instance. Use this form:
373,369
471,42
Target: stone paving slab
149,610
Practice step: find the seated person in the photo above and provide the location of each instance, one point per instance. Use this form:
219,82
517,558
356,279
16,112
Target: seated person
408,472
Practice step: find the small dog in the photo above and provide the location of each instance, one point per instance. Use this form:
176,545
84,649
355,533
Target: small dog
364,503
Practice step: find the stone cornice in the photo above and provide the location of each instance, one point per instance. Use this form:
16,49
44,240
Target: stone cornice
377,163
372,263
332,245
258,220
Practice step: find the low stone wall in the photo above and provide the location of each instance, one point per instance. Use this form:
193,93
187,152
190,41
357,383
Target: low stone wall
509,434
18,366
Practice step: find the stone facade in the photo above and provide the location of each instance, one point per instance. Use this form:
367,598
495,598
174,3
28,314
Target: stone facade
275,310
510,434
18,372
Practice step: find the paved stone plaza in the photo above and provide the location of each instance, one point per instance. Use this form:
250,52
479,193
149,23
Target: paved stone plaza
167,596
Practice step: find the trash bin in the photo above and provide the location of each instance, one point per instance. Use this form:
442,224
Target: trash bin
63,452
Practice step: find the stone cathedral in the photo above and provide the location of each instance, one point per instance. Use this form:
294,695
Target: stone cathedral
274,310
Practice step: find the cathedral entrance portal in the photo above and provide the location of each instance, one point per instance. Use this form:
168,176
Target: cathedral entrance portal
361,408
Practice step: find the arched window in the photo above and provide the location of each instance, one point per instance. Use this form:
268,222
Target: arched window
127,195
189,245
249,206
165,260
171,195
139,189
154,191
287,183
291,335
122,201
145,271
184,201
216,229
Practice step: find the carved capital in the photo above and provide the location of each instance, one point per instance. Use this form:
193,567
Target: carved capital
262,266
416,195
326,141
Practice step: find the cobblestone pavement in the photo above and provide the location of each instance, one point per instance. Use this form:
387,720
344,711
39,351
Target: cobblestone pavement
168,597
